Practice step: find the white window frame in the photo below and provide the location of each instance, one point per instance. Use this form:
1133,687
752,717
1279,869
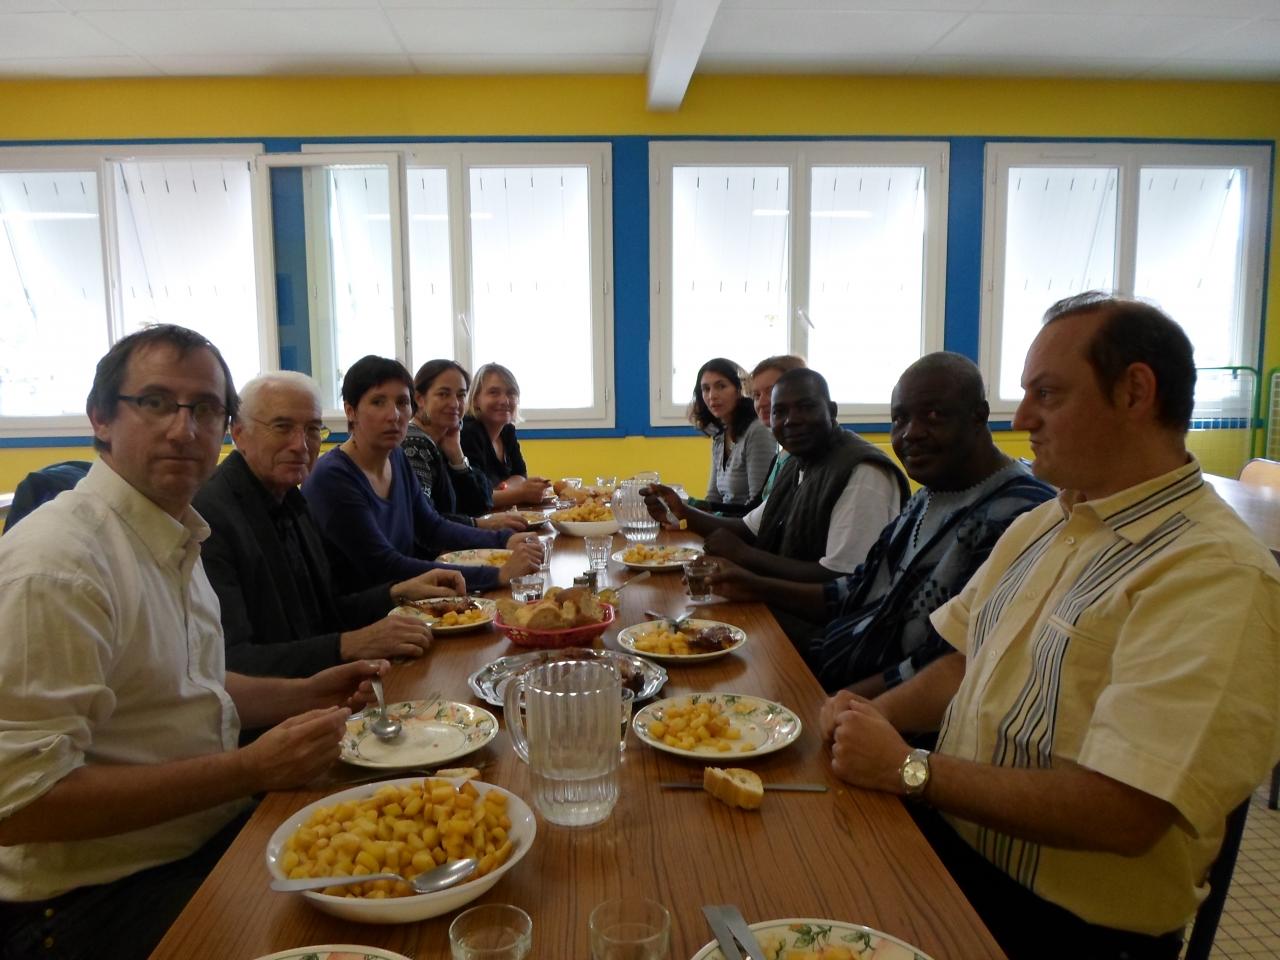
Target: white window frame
1129,159
799,157
99,158
457,159
334,418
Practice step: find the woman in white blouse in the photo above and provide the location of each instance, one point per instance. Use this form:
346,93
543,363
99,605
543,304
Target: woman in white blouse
742,447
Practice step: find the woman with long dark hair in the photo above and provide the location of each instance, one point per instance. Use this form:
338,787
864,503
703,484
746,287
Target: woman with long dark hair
742,447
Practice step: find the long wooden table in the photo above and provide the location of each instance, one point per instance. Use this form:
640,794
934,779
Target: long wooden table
1258,507
847,854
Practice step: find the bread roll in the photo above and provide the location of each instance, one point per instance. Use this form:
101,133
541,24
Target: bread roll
735,786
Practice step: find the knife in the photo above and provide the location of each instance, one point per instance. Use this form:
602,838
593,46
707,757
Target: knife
728,946
794,787
738,927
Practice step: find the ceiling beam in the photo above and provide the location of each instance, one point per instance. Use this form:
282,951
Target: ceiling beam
678,38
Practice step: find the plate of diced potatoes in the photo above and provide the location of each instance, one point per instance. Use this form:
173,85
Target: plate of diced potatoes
724,725
646,556
591,518
402,826
450,614
695,640
804,938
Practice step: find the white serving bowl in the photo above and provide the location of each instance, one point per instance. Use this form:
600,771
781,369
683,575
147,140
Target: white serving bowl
524,828
586,528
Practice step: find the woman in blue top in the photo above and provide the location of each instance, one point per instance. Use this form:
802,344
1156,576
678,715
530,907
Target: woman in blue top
366,501
742,447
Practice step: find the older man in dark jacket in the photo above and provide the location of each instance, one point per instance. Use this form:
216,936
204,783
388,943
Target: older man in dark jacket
267,562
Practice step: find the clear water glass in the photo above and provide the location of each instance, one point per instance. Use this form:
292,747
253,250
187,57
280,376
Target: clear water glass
492,931
598,551
548,540
573,482
696,572
631,929
526,589
567,732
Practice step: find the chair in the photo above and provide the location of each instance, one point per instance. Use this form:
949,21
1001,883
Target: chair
1260,472
44,484
1265,473
1206,923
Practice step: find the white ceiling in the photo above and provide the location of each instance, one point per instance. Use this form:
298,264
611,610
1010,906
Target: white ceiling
1230,39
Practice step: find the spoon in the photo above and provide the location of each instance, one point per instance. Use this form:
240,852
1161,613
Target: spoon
383,727
437,878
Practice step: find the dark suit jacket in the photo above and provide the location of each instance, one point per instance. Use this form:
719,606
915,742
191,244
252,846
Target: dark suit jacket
246,563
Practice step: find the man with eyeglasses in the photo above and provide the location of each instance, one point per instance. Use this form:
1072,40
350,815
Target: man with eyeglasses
123,782
266,560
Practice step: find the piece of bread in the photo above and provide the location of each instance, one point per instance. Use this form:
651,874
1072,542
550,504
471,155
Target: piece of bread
467,773
735,786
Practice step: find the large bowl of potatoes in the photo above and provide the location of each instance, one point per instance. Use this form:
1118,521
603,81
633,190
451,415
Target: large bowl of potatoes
402,826
562,618
591,518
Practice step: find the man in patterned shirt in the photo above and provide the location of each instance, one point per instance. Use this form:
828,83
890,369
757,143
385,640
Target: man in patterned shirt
1116,690
877,619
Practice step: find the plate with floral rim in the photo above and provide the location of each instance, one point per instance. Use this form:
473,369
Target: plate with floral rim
642,556
435,732
435,612
809,939
629,637
761,726
335,951
479,557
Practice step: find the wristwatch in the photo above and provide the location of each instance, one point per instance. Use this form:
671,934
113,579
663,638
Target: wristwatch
462,467
914,772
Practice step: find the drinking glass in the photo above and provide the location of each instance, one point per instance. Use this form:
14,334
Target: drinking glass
492,931
567,733
598,551
527,588
696,572
548,541
574,482
646,477
633,929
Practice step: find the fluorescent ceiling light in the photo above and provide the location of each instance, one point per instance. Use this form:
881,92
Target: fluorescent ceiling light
769,212
841,214
20,216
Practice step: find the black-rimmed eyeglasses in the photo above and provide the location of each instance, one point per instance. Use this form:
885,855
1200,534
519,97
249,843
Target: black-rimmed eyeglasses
160,407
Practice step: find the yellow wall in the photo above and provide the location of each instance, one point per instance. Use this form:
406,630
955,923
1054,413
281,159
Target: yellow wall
612,105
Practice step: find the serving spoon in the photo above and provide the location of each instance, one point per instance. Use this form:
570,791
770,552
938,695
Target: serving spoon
383,727
429,881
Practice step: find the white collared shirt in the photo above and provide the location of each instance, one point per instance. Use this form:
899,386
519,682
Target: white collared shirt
112,653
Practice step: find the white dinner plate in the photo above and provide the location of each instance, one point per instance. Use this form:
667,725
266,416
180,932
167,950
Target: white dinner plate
435,732
763,726
627,639
422,609
479,557
335,951
804,937
662,558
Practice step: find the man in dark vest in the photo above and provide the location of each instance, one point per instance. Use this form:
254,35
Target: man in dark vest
877,631
828,504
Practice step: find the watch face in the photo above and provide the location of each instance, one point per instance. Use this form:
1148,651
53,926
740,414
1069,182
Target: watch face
915,773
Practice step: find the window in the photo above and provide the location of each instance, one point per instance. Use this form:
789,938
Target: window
506,253
1180,225
826,250
98,244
